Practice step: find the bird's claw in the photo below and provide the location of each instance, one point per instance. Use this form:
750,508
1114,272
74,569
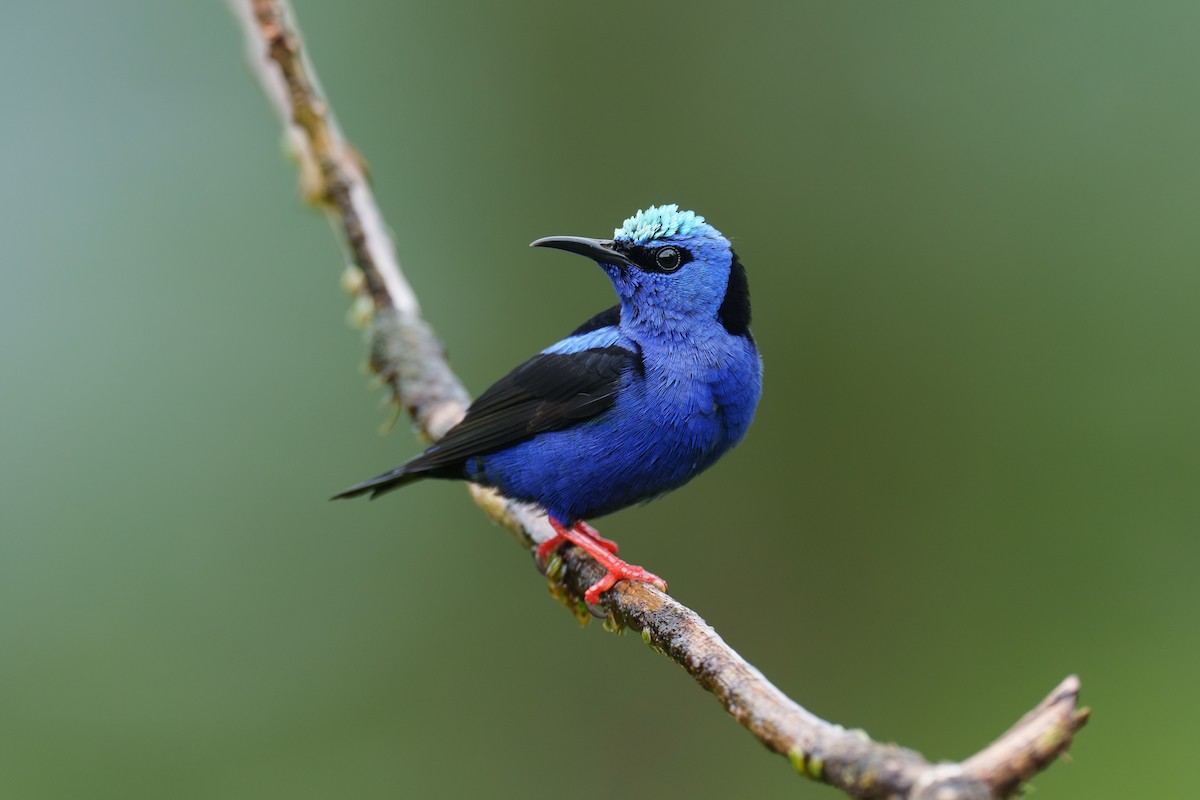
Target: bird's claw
626,572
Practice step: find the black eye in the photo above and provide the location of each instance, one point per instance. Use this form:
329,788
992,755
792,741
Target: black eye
668,259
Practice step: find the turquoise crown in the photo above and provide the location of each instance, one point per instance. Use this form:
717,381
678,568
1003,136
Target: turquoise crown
657,222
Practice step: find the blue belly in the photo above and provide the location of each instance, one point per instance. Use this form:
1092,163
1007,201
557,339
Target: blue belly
658,435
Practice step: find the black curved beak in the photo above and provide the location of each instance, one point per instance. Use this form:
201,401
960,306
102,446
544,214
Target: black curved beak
602,251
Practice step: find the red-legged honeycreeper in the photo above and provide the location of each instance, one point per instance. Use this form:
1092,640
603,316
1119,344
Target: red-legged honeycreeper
634,403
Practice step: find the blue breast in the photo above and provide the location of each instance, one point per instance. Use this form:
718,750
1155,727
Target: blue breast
673,417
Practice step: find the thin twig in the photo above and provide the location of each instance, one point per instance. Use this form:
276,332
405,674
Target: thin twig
408,357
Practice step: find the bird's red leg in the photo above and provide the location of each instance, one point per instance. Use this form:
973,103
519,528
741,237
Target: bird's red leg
616,569
550,545
554,542
588,530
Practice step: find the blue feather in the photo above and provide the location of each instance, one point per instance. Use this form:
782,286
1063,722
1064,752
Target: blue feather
601,337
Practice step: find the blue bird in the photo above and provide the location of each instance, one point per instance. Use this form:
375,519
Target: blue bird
636,402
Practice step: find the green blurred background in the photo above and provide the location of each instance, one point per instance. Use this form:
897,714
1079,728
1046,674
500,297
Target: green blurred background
971,234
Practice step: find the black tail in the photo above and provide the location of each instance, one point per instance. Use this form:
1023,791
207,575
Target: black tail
381,484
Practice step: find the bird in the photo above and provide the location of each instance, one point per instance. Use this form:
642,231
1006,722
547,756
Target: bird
632,404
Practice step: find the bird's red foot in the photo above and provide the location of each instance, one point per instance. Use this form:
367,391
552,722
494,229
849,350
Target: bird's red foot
620,571
604,551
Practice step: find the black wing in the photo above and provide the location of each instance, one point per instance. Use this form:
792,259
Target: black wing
608,318
549,392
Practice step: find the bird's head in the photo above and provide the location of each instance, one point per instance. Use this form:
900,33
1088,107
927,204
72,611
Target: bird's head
671,269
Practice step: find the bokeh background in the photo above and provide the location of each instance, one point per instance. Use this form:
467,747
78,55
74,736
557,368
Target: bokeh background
971,235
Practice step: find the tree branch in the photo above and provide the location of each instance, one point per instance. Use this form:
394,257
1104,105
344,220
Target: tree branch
408,357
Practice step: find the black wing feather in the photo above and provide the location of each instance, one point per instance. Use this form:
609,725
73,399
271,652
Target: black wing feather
608,318
549,392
